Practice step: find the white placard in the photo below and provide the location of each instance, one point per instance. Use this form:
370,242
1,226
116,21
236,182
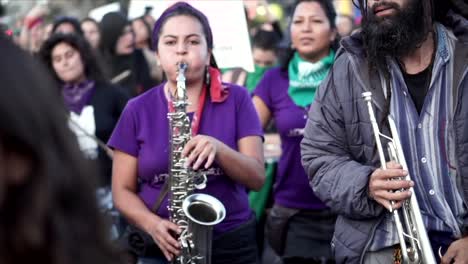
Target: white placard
227,20
99,12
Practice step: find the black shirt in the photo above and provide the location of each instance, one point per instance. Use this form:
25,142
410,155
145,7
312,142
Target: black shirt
418,84
108,102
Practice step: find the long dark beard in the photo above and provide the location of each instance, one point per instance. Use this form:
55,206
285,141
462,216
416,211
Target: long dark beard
394,36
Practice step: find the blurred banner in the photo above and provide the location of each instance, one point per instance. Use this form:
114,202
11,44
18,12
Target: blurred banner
228,23
99,12
344,7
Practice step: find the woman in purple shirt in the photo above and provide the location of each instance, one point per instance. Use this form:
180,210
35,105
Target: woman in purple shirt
299,227
229,141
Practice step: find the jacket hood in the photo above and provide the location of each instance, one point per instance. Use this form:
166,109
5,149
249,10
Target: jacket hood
458,24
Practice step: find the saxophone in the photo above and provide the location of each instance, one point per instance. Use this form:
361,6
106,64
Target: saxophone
194,213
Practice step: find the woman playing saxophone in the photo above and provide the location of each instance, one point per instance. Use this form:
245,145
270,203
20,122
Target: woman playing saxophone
226,139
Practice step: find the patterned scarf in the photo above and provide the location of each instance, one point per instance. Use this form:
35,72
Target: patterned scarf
305,77
76,96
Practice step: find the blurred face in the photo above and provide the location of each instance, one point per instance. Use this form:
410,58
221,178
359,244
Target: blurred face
264,58
65,28
182,40
67,63
91,33
125,43
311,33
344,25
141,33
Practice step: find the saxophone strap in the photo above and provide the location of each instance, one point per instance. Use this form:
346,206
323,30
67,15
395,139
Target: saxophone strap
161,196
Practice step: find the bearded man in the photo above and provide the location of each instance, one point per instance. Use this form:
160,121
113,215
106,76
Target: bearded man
417,72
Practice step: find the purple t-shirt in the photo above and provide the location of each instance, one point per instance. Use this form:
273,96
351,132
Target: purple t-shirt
143,132
291,188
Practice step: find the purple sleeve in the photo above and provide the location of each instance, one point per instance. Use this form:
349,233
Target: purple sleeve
248,123
263,90
124,137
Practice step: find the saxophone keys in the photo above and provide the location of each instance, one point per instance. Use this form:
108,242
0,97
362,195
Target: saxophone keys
200,182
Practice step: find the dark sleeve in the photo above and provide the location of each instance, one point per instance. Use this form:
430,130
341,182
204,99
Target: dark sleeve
143,76
336,178
120,100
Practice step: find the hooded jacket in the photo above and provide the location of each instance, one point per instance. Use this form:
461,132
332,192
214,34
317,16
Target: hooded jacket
338,149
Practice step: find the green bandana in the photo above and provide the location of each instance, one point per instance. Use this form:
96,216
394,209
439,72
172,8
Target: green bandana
305,77
254,77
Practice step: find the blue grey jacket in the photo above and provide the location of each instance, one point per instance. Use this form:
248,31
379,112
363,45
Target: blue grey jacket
338,149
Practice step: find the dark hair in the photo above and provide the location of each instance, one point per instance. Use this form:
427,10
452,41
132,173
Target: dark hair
112,27
92,69
330,12
266,40
180,9
92,20
148,29
68,20
51,214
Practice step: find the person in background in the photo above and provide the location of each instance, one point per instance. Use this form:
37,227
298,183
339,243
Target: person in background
90,28
300,226
264,53
226,138
93,103
142,32
32,30
67,25
124,64
48,210
417,71
345,25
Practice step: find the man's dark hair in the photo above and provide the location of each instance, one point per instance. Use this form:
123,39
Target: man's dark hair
93,71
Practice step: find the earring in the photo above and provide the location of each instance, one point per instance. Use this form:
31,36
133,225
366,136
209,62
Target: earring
207,77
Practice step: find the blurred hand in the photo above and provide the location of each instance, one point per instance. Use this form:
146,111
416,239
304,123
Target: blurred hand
160,230
200,150
38,11
457,253
382,184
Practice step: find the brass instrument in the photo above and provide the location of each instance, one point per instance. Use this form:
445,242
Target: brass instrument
414,242
194,213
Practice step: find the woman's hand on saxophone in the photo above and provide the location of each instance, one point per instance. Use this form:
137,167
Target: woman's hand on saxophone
200,150
384,186
161,231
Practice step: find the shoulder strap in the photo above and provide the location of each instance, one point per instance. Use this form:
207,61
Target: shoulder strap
161,196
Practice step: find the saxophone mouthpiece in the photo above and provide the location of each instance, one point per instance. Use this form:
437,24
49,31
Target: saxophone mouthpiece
182,66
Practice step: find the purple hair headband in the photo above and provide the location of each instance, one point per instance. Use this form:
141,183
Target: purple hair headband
182,8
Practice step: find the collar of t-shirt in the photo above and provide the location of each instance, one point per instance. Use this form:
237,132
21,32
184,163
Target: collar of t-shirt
418,85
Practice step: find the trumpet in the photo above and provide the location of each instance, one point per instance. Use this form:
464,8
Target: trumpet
412,234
